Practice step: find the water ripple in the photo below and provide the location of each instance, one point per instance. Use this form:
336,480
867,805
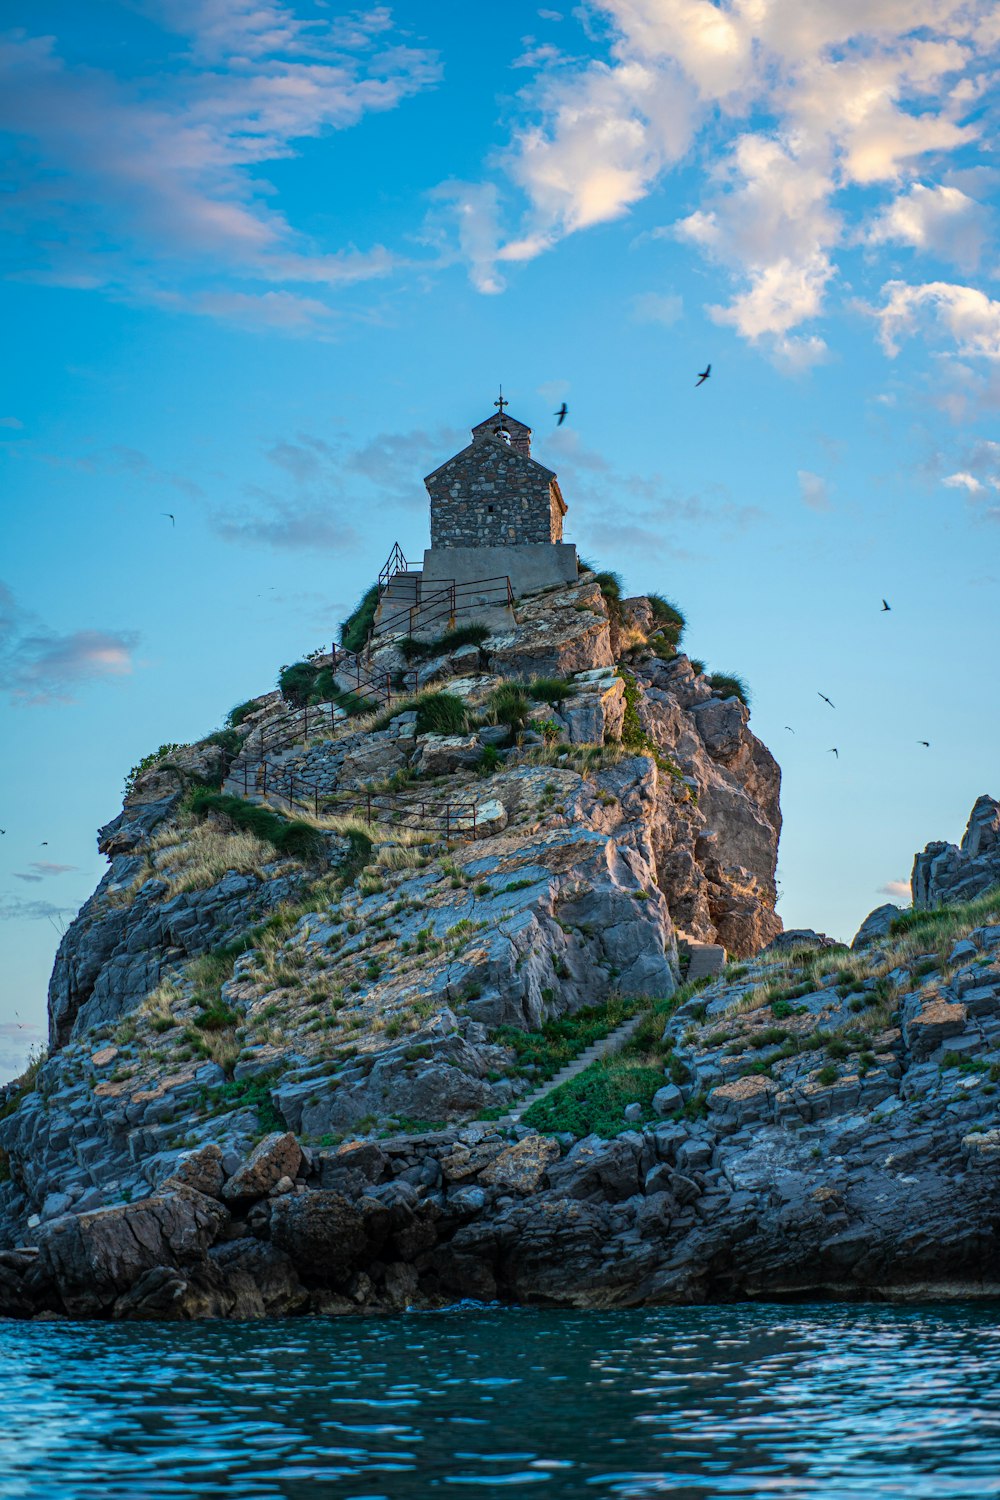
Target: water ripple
813,1403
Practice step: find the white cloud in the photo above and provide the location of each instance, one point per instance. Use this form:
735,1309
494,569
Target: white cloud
964,481
899,890
941,220
12,422
864,92
665,308
963,314
813,490
150,184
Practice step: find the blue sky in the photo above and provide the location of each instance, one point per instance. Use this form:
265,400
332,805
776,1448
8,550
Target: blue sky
264,263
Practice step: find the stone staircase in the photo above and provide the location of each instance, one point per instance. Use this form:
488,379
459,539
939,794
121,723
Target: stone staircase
603,1047
707,959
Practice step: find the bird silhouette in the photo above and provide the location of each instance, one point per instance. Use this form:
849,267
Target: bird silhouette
834,751
790,729
926,744
703,376
562,414
885,607
169,517
3,830
43,844
827,700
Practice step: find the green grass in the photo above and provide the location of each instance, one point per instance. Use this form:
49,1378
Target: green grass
551,690
248,1093
559,1041
354,631
929,924
594,1102
288,836
235,716
508,705
730,686
668,617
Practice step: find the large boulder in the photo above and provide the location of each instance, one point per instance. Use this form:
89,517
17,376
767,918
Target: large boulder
278,1155
321,1233
876,925
93,1258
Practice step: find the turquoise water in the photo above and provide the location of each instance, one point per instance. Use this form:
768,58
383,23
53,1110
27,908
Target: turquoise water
686,1402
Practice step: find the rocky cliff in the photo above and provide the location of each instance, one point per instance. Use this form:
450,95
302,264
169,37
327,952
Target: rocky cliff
307,1036
334,915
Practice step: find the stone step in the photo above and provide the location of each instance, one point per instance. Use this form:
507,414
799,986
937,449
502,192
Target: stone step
706,959
608,1044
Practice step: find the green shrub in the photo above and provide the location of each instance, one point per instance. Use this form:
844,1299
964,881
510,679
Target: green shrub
288,835
297,681
249,1093
697,666
668,617
235,716
441,713
558,1041
226,739
730,686
827,1075
152,759
488,761
551,690
355,630
508,705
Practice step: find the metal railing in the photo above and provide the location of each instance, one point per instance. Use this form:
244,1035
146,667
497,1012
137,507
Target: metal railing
295,790
446,602
394,563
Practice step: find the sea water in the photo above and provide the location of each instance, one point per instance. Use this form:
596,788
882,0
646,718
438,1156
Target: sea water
762,1401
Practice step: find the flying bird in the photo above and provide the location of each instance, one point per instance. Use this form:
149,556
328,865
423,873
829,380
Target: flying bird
43,844
926,744
827,700
3,830
790,729
169,517
834,751
562,414
886,606
703,376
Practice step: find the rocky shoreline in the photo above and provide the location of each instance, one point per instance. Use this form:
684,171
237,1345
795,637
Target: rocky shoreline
289,1048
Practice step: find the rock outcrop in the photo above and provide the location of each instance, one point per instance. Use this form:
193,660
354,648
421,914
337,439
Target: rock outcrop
943,874
849,1151
239,973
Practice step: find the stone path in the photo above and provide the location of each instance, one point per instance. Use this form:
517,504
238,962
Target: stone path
613,1042
706,959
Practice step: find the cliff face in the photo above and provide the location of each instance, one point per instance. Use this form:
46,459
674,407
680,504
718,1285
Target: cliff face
265,954
943,873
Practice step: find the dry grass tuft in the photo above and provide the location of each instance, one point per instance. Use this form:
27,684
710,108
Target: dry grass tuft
198,854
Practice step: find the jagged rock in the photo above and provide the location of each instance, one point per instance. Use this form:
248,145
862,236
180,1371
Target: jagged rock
523,1167
201,1170
278,1155
268,1270
933,1023
437,754
320,1232
944,875
94,1258
800,937
876,925
167,1294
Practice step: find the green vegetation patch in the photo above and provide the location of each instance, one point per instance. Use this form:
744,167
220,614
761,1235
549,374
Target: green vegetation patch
669,620
542,1053
236,716
730,686
289,836
921,924
355,630
551,690
508,704
248,1093
148,761
594,1102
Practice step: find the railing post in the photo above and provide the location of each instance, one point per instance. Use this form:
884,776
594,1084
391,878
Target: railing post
368,800
315,801
263,790
447,821
474,809
305,721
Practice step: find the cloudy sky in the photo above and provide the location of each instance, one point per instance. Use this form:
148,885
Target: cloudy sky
264,262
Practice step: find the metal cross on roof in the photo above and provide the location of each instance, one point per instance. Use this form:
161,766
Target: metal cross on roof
501,403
